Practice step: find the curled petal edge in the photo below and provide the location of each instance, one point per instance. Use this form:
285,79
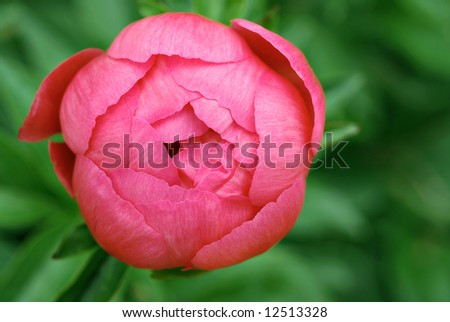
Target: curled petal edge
256,236
283,57
43,119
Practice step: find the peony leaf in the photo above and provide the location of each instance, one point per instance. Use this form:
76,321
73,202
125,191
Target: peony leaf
26,167
420,35
169,274
28,259
102,29
341,95
9,20
154,7
7,249
44,46
225,10
76,242
98,281
17,91
281,274
338,131
58,138
51,278
19,209
328,212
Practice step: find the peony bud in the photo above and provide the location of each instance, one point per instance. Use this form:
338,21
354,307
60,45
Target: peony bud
185,141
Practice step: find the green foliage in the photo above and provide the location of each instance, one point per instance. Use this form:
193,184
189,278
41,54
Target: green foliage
377,231
31,262
98,281
176,273
76,242
220,10
19,210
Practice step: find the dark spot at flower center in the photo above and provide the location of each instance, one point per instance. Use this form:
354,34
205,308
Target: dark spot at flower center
172,148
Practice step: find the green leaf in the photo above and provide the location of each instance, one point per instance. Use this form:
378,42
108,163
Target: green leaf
52,278
328,212
58,138
45,45
339,131
7,249
104,27
20,209
77,241
420,43
152,7
416,261
27,260
340,96
226,10
277,275
27,167
17,90
216,9
219,10
98,281
9,20
174,273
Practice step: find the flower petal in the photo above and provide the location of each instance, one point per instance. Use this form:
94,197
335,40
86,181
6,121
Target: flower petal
254,237
189,225
99,85
120,140
141,188
180,126
289,61
63,160
182,34
115,223
187,218
43,119
159,95
284,127
220,120
239,184
232,85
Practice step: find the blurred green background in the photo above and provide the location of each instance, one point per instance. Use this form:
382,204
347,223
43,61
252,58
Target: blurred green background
378,231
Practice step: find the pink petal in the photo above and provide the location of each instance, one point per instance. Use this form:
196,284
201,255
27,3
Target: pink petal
220,120
254,237
99,85
114,222
182,34
285,58
187,218
227,179
196,170
120,140
232,85
160,96
212,180
142,188
280,113
180,126
238,185
189,225
43,119
188,161
63,161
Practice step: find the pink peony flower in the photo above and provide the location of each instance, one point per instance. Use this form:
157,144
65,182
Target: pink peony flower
182,140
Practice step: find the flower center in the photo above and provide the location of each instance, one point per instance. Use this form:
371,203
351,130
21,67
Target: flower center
172,148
